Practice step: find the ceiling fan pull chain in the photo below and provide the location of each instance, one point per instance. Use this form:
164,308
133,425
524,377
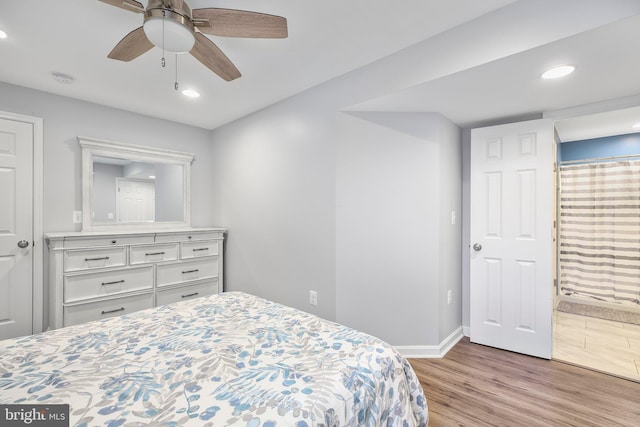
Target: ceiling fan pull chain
162,61
176,84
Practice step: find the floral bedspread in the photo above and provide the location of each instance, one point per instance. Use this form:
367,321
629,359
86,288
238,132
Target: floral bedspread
230,359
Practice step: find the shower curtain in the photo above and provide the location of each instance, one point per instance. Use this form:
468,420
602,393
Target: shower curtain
599,231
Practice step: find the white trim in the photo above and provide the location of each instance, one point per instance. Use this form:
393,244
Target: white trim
135,152
431,351
466,331
38,241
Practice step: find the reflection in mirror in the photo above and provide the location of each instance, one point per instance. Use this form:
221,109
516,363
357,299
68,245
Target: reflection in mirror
132,191
126,186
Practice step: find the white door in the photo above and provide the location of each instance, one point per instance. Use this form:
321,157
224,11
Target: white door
16,228
136,200
511,236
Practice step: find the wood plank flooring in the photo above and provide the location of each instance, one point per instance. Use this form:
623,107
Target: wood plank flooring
478,386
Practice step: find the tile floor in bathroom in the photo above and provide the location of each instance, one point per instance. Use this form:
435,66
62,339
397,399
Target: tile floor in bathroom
602,345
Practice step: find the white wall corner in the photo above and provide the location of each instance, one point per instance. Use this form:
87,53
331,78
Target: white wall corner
431,351
466,331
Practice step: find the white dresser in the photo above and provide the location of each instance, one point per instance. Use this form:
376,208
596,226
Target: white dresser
94,275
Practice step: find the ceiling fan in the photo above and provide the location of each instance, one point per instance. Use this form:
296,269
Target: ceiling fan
174,27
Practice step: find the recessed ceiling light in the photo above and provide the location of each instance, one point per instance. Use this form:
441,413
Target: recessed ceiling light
190,93
152,177
3,35
557,72
636,126
62,78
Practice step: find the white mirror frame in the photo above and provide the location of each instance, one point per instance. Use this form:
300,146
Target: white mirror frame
96,147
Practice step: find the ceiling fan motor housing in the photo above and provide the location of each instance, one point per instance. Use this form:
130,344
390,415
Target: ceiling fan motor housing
169,28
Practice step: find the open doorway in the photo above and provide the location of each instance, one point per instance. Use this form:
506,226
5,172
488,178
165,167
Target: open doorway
597,292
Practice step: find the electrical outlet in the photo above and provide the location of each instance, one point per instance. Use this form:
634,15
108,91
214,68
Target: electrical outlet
449,296
77,217
313,297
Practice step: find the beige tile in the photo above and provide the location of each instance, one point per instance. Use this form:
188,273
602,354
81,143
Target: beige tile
634,343
594,322
566,341
632,332
603,331
614,365
616,346
631,326
571,320
599,344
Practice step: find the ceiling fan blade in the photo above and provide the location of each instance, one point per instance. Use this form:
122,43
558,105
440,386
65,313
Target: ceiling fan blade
131,5
239,23
131,46
213,58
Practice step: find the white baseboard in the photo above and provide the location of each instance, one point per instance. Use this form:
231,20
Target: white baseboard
431,351
466,330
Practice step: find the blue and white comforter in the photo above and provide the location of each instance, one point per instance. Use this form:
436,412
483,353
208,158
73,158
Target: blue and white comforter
229,359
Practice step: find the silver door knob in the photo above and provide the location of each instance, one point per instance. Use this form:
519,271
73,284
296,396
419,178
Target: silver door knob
23,244
477,247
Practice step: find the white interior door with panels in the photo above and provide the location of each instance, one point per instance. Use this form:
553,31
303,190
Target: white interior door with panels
511,298
136,200
20,300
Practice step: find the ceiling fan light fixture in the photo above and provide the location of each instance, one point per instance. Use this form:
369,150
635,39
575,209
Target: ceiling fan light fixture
170,35
557,72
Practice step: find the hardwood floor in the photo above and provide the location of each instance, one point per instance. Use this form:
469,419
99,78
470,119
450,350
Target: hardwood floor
477,386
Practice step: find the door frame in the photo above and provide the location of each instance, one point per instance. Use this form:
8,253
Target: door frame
37,304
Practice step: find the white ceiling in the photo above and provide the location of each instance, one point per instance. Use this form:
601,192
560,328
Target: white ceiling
326,39
606,68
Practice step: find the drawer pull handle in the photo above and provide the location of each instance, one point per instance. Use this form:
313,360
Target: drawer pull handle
113,311
190,295
154,253
112,283
200,249
97,259
190,271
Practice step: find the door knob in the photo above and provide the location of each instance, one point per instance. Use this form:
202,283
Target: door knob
477,247
23,244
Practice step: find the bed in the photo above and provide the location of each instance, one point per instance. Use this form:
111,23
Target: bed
230,359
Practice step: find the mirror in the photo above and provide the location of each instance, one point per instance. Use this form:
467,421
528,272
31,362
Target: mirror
131,187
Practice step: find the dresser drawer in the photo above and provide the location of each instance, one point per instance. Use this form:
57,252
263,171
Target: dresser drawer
186,271
153,253
81,313
179,237
78,287
168,296
71,242
83,259
198,248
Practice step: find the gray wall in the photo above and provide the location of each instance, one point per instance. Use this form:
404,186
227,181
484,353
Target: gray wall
274,189
66,118
169,192
104,190
398,179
